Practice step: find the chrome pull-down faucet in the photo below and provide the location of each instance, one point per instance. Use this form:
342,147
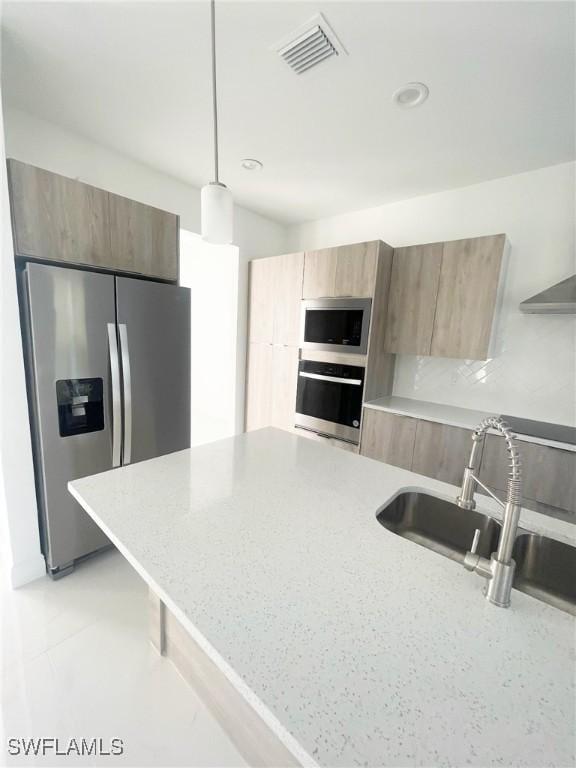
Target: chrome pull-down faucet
499,569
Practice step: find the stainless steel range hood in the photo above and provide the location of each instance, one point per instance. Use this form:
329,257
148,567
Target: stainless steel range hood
559,299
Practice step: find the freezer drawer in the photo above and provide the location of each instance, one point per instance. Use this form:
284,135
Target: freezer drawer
66,319
154,334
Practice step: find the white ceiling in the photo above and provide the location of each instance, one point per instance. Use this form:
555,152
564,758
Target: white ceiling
135,77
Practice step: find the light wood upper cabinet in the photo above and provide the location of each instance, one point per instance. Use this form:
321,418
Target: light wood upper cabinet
348,270
261,301
356,269
380,364
58,218
412,300
467,294
143,239
388,437
443,298
319,273
64,220
441,451
286,296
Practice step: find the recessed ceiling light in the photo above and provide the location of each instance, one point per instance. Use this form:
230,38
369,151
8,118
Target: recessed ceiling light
411,95
250,164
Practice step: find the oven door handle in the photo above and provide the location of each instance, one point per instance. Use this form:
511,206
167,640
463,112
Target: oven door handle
335,379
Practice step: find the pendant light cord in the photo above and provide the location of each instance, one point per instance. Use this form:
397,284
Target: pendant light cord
214,101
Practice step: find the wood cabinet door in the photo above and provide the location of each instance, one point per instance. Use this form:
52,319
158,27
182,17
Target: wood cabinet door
548,474
288,273
58,218
356,269
259,386
467,295
388,437
347,270
284,379
412,299
261,301
441,451
144,239
319,273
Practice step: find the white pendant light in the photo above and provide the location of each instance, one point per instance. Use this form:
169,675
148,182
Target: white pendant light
216,199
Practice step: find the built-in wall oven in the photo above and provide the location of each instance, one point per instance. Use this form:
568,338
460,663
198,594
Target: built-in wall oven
329,399
336,325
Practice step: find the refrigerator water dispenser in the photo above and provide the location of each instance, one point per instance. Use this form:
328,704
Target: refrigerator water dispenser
80,406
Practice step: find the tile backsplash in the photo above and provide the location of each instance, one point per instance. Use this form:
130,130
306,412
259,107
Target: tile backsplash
533,374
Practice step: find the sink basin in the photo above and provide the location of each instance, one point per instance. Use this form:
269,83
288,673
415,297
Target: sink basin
546,569
439,525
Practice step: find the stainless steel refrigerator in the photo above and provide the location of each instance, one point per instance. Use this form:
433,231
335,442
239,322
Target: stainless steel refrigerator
108,367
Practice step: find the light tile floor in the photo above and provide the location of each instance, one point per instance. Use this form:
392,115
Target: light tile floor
75,661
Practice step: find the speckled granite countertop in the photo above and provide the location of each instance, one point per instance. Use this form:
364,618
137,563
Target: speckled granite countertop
357,646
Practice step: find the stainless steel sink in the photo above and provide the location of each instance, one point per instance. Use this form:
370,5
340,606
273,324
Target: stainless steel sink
546,569
439,525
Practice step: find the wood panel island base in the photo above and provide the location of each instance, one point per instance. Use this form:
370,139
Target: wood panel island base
317,636
253,738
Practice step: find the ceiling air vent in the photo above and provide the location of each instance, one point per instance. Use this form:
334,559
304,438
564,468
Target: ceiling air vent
308,46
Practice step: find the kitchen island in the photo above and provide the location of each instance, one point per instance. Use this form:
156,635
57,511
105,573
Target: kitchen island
353,645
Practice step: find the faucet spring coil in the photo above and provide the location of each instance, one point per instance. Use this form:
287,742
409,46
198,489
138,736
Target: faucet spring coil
514,485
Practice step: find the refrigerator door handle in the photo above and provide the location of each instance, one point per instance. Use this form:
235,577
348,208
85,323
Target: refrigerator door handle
127,381
116,397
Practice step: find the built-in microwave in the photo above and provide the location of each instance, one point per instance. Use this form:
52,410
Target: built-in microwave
336,325
329,399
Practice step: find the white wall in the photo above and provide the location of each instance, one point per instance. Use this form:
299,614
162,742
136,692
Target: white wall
20,541
211,273
534,372
49,146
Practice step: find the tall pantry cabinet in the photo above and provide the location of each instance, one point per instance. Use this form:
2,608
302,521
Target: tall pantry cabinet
275,291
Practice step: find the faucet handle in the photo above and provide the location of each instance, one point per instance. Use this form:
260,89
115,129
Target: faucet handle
475,542
472,558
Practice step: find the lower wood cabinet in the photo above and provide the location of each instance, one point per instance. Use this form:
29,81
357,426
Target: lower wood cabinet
271,386
441,451
388,437
548,474
259,386
425,447
284,378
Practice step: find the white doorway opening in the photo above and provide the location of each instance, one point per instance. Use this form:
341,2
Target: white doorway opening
212,273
